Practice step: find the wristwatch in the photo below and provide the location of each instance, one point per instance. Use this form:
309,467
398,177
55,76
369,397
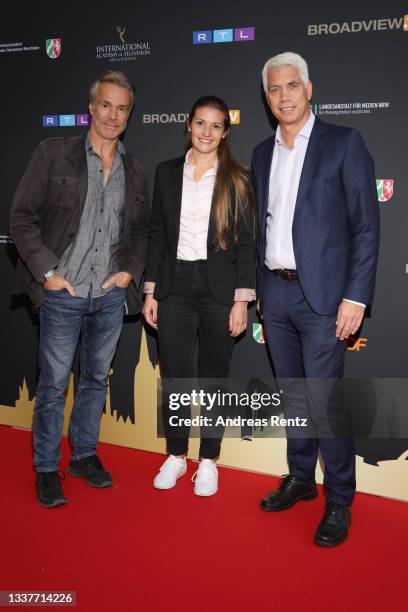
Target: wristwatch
48,275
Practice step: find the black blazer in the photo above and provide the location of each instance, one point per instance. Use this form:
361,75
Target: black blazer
228,269
46,214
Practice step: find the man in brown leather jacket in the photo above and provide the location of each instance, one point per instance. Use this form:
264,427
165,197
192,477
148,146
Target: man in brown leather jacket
79,220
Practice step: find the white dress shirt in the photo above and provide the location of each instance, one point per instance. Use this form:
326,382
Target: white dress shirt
195,211
286,169
284,180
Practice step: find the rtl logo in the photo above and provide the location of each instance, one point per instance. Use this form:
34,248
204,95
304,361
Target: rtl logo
226,35
66,120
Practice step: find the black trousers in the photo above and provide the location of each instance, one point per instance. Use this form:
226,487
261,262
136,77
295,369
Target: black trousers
189,313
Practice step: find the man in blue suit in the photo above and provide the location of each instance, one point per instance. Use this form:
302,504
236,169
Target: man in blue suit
318,234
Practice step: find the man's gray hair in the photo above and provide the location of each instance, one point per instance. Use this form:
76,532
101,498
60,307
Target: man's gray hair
116,78
285,59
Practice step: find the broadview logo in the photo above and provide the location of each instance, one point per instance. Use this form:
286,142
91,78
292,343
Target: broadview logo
165,118
353,27
235,117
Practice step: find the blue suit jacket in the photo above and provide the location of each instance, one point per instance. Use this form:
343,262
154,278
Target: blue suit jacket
336,221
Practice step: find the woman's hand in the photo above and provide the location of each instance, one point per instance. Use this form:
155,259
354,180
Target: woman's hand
238,318
150,310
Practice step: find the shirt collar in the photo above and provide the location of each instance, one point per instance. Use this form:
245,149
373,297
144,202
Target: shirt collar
304,132
210,172
120,147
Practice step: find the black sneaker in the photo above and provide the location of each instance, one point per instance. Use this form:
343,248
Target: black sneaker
48,488
92,470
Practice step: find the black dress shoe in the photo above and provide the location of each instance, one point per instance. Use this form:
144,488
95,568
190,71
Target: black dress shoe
48,488
290,491
92,470
334,526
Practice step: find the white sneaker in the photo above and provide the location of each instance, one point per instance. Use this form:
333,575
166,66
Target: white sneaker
206,478
172,468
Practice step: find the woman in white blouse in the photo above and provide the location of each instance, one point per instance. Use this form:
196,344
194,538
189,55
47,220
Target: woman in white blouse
200,274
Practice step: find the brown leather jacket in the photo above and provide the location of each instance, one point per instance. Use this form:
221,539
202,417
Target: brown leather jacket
46,213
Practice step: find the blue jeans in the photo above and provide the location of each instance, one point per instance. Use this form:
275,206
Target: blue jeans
64,320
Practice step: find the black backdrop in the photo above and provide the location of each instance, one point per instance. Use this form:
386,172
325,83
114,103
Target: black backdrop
359,80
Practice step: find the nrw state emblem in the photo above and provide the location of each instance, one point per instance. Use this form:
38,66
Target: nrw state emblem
257,333
53,47
385,189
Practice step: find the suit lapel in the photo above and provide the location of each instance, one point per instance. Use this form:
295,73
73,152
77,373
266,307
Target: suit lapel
175,192
314,149
211,236
265,171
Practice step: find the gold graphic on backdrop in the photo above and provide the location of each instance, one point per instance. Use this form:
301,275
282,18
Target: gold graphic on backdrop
114,429
121,32
264,455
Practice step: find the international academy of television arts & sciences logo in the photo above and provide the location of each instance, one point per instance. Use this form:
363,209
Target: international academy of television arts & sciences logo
385,189
122,50
53,47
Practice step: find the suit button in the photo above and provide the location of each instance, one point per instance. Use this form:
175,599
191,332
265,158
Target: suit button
211,247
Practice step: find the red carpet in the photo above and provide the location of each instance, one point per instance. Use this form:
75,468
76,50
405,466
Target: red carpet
134,548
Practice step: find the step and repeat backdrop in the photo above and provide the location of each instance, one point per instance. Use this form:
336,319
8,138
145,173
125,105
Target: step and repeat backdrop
174,53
